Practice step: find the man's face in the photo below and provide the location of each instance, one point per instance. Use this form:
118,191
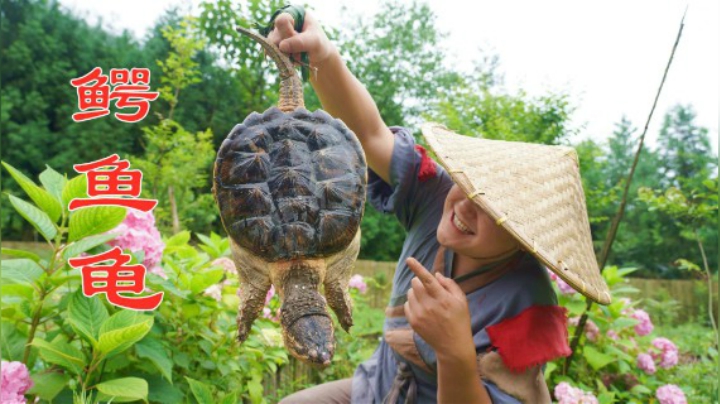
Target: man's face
466,229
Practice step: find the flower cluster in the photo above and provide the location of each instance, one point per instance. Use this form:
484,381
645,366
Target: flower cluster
645,326
567,394
565,289
591,329
670,394
15,382
646,364
668,352
138,233
358,283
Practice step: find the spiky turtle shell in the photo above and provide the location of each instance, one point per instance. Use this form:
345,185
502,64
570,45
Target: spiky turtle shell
291,185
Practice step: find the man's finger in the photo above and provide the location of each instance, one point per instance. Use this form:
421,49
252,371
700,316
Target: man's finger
428,280
449,285
285,24
418,289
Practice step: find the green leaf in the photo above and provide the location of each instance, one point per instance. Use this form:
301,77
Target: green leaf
163,392
20,254
61,353
549,369
22,271
606,398
42,198
122,330
94,220
179,239
152,349
624,322
48,385
575,307
39,219
230,398
12,342
641,390
255,388
24,291
203,280
85,244
86,315
75,188
200,390
126,388
54,182
597,359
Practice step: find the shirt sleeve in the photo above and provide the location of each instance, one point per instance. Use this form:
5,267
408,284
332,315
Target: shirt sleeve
410,194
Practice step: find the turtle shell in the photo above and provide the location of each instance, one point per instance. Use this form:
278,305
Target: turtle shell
291,185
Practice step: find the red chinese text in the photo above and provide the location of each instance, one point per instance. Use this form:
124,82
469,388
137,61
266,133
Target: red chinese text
109,183
115,278
131,89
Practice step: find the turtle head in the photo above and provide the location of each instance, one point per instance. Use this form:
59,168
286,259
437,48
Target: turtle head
311,339
307,326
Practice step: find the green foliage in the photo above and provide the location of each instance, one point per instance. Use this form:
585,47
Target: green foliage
398,56
176,161
607,361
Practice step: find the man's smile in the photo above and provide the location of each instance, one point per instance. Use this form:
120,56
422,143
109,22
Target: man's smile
460,225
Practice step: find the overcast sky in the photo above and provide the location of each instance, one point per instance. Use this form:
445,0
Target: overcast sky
608,56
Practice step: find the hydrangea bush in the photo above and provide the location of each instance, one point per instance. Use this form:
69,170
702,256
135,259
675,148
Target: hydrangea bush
619,359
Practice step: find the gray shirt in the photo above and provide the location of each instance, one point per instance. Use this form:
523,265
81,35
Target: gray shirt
418,205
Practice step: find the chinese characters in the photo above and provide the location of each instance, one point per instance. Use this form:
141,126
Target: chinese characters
131,89
112,183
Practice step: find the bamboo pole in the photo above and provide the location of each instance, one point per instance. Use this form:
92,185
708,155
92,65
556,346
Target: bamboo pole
607,247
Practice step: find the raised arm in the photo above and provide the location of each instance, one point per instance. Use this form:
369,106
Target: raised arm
340,92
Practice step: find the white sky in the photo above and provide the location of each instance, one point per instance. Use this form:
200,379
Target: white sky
608,56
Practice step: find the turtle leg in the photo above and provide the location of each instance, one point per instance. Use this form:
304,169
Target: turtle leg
252,301
336,282
254,285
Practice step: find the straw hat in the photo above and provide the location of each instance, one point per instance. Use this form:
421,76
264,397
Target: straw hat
534,192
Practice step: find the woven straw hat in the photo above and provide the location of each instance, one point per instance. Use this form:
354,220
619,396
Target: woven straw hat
532,190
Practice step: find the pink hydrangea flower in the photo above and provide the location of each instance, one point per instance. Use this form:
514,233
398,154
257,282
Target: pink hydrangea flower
270,294
225,263
565,289
613,335
646,364
567,394
214,291
670,394
645,326
268,313
669,352
138,233
591,329
358,283
15,382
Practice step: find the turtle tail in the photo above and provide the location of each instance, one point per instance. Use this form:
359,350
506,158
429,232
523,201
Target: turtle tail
307,326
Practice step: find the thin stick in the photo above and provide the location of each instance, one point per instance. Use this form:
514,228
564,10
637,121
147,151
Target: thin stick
605,253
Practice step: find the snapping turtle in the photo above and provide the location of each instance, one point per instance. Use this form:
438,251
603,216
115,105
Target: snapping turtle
290,185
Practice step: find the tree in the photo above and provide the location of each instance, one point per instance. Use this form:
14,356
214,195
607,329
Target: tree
176,160
477,105
686,157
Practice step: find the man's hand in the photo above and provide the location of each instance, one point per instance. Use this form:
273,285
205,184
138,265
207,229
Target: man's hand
312,39
437,310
